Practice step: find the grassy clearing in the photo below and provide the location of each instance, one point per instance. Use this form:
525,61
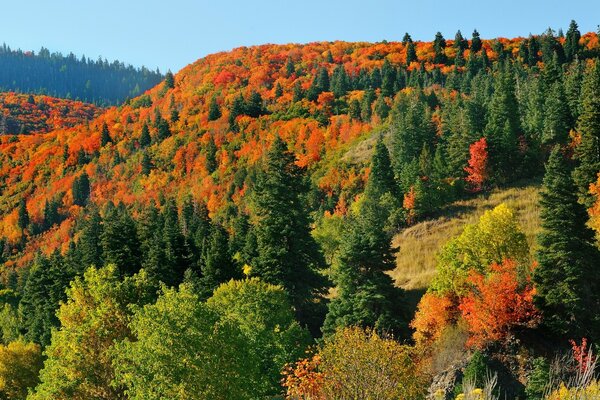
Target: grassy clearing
419,244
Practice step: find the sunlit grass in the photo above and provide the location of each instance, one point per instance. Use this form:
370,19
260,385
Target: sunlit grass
419,244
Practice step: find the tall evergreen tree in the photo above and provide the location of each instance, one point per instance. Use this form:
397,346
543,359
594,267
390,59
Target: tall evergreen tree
105,136
145,139
572,46
89,245
217,265
567,279
287,253
120,244
177,255
81,189
214,112
23,215
587,152
366,295
475,42
439,46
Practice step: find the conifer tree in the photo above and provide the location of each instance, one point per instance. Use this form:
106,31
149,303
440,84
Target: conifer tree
366,295
120,244
169,80
146,163
571,46
411,52
566,279
475,42
145,139
81,189
105,136
177,255
287,254
587,152
23,215
89,245
217,264
439,46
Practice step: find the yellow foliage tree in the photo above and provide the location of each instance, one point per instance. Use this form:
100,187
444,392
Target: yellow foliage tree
20,363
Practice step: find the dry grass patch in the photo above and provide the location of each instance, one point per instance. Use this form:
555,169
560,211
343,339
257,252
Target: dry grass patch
419,244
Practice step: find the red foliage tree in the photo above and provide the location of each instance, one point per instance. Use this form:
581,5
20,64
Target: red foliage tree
478,165
497,303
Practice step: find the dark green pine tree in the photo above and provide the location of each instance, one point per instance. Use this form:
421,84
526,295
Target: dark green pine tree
382,109
177,254
388,79
81,189
145,139
89,245
211,155
42,294
237,108
119,241
503,127
289,67
411,52
217,265
287,253
23,215
556,116
566,279
149,230
571,45
214,111
254,107
587,152
169,80
439,46
366,295
278,90
146,163
105,136
475,42
381,177
298,93
339,81
162,127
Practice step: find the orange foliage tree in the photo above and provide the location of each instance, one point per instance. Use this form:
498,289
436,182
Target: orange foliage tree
497,303
478,165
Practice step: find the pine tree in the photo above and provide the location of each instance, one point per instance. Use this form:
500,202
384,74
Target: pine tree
105,136
217,264
287,253
556,116
169,80
254,106
89,245
366,295
120,244
475,42
566,279
411,53
381,177
211,155
237,108
587,152
381,107
145,139
81,189
162,127
571,46
146,163
339,81
439,46
289,67
278,90
177,255
23,215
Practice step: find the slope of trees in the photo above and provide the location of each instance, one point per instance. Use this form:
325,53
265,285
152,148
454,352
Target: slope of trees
54,74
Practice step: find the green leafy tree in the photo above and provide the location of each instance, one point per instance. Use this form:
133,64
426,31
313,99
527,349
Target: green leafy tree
181,350
265,316
287,254
94,317
20,364
567,286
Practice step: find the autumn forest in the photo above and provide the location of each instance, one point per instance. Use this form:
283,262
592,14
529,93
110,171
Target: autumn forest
237,230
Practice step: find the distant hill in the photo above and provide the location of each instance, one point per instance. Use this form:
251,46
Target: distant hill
28,114
100,82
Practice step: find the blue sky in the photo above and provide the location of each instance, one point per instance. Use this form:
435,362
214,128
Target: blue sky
172,33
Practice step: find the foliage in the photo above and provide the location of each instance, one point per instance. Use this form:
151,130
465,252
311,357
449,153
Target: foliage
478,165
354,363
20,363
182,351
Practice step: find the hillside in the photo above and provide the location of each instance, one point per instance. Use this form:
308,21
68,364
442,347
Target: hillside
93,81
30,114
419,244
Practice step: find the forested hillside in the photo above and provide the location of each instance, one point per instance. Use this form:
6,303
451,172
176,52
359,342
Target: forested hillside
23,114
193,242
94,81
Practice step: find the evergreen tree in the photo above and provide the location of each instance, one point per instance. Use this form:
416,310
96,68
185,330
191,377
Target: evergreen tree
339,81
119,241
81,189
571,46
211,156
177,255
146,163
366,295
23,215
381,107
254,107
278,90
169,80
298,93
105,136
145,139
411,53
287,254
587,152
89,246
439,46
237,108
556,116
566,279
217,264
162,127
475,42
381,177
289,67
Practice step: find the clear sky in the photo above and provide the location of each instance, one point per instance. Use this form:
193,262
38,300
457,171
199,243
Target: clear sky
172,33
